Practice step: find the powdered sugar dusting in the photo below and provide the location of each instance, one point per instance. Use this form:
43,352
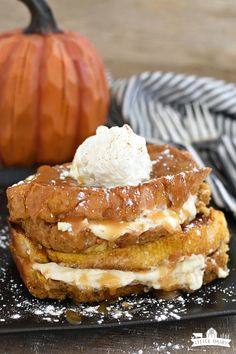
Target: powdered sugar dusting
4,237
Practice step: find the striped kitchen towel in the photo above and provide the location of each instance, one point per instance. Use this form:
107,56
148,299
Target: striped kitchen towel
191,112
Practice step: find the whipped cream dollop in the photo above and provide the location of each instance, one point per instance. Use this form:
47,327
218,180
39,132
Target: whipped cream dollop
113,157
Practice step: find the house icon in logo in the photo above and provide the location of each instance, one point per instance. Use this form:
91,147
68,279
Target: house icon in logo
211,333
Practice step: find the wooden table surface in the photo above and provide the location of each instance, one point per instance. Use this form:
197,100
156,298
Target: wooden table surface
188,36
134,35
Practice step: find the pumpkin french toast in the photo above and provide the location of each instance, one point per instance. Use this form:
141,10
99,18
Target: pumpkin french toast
128,219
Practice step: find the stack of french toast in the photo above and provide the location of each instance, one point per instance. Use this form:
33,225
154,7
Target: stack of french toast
92,243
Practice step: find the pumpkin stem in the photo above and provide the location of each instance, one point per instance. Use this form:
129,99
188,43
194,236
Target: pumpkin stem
42,19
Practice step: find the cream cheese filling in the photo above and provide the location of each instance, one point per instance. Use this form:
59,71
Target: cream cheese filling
149,219
186,273
223,273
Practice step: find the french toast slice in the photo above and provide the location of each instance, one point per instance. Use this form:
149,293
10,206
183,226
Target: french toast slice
52,195
79,240
42,288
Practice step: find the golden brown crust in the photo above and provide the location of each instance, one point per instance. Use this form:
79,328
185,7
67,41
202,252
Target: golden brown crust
50,198
42,288
48,235
202,236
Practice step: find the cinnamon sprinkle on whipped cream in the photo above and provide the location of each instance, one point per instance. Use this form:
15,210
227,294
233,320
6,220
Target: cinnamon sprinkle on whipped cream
112,157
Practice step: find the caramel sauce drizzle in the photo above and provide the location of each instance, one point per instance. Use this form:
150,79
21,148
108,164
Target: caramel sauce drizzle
108,280
77,224
115,229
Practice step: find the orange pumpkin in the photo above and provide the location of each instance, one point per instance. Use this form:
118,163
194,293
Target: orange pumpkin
53,91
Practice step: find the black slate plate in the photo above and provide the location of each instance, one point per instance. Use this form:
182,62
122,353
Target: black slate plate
20,312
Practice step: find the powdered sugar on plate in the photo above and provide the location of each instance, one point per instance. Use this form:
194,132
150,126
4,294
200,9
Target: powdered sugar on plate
4,236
